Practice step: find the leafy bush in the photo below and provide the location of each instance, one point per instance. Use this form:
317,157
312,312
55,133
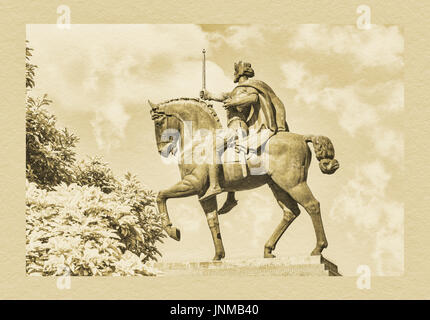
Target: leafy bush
128,190
90,232
95,172
49,151
29,68
142,203
79,216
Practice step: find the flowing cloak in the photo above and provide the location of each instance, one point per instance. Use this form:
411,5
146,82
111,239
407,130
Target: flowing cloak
272,111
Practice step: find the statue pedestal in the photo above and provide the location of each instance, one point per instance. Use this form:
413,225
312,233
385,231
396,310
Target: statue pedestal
286,266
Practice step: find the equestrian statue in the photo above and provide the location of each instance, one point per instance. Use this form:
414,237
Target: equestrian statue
255,149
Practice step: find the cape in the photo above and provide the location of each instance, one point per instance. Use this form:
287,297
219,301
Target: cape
269,104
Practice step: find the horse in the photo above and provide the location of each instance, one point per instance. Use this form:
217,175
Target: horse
288,157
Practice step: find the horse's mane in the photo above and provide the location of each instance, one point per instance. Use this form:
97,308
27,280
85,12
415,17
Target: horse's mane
201,103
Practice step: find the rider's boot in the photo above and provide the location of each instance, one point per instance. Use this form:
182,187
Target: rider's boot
213,168
214,187
229,204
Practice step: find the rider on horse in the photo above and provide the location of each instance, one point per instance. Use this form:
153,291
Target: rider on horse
252,107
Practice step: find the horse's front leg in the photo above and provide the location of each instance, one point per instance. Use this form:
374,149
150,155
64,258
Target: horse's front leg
210,208
185,188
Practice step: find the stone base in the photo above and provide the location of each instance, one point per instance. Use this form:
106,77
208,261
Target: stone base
288,266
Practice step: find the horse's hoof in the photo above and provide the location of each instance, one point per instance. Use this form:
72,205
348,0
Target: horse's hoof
218,256
316,252
319,248
268,253
174,233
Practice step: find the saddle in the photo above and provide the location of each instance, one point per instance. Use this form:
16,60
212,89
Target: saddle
245,156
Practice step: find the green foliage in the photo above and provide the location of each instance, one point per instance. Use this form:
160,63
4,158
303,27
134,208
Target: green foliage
90,232
29,68
95,172
50,151
142,203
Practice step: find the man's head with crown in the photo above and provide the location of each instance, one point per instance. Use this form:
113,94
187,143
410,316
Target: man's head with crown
242,69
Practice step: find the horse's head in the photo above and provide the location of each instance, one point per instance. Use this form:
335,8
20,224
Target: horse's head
173,117
167,129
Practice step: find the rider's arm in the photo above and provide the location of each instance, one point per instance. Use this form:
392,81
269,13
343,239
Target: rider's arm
244,99
221,97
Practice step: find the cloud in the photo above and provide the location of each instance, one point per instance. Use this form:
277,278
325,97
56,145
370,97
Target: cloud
238,37
389,144
379,46
357,105
396,96
313,91
354,114
363,201
389,247
103,69
309,87
109,125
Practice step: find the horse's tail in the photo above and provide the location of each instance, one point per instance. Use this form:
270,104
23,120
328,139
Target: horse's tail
324,152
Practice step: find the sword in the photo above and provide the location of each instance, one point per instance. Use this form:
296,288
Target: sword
204,70
204,77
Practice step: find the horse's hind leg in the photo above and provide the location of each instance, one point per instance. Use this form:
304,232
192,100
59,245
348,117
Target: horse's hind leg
210,208
303,195
291,211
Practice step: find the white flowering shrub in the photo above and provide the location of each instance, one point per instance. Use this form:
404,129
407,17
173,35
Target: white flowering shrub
89,232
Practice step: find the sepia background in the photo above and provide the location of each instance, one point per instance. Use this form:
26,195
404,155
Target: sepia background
338,81
339,89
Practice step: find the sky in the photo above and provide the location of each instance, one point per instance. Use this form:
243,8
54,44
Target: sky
334,80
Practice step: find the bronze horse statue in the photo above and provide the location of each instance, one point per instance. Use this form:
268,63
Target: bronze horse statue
288,159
